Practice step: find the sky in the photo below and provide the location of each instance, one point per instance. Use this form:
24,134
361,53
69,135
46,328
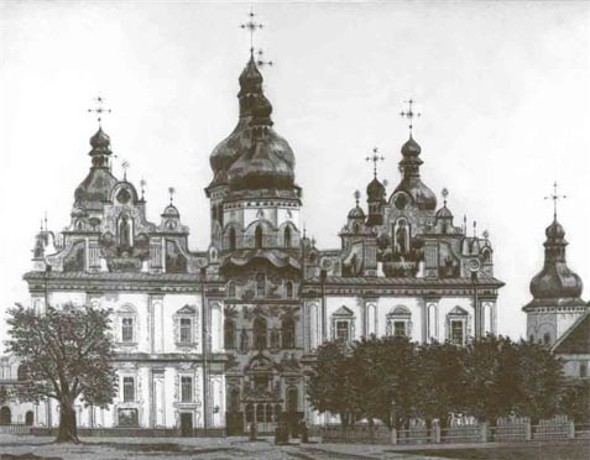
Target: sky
503,89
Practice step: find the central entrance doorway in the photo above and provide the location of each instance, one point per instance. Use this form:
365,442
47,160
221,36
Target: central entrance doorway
186,424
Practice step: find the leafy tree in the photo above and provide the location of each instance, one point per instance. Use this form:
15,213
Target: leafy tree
68,355
575,401
539,379
491,377
441,385
330,385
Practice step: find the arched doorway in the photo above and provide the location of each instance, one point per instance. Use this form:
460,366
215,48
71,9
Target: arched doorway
29,417
5,416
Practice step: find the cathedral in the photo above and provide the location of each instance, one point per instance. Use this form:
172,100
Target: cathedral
214,341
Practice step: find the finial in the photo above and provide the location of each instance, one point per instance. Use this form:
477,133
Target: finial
375,158
385,183
474,228
45,219
555,197
171,191
357,196
142,183
465,224
125,166
304,231
41,225
260,62
252,26
410,114
445,194
99,109
486,234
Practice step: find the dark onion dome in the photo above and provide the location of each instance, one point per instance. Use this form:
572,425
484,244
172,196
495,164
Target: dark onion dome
356,213
375,190
422,196
556,280
96,188
253,156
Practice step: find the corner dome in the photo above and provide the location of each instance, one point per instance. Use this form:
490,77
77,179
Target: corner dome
356,213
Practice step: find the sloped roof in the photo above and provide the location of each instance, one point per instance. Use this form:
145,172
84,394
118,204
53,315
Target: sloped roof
576,339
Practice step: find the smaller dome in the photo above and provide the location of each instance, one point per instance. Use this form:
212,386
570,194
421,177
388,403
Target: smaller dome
170,211
375,190
100,140
555,231
250,79
411,147
444,213
356,213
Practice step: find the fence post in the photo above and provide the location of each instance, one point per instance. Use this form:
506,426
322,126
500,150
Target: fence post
528,432
484,432
436,431
571,430
394,436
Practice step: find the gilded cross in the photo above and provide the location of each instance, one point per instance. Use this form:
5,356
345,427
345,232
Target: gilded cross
142,183
410,114
100,108
125,166
555,197
171,191
357,196
251,26
445,194
375,158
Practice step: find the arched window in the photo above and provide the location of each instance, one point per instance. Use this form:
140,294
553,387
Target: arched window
22,373
260,285
232,239
487,256
402,237
125,232
287,237
546,338
229,329
260,333
258,236
231,290
5,416
29,417
288,333
289,289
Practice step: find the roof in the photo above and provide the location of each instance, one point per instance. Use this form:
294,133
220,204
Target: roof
114,276
407,281
576,340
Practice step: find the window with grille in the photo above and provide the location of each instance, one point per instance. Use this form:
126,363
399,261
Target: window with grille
343,330
399,328
186,330
127,329
457,332
186,389
128,389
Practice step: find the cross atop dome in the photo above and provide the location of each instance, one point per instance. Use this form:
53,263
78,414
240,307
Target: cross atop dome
171,191
555,197
251,26
410,114
99,109
375,158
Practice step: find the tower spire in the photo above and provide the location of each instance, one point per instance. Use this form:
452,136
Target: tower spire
555,197
410,114
375,158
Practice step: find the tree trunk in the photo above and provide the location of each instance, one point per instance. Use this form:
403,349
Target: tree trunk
67,425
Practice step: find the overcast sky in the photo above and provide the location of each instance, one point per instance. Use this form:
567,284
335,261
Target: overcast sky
503,87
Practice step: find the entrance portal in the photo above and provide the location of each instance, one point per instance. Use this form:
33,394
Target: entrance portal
186,424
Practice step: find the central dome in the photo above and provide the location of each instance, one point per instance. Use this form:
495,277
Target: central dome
253,156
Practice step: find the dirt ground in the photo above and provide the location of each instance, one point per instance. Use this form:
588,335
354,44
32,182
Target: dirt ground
30,447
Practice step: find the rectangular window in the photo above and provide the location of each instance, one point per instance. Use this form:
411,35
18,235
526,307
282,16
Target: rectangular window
186,389
457,332
399,328
343,330
583,369
186,325
127,330
128,417
128,389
